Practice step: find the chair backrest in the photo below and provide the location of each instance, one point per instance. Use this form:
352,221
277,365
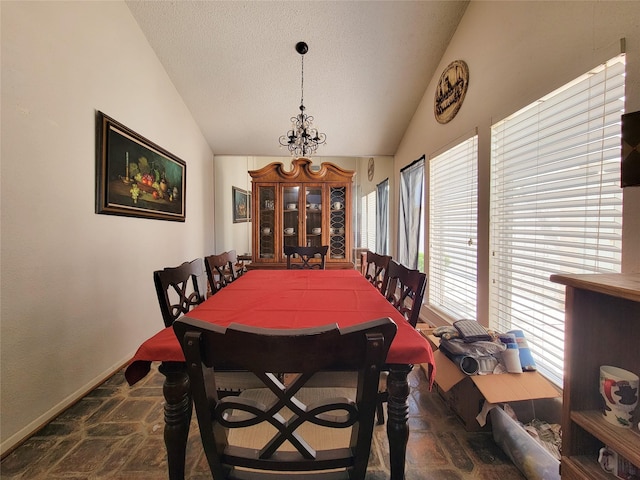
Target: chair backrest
306,255
219,271
405,290
275,428
237,268
178,290
377,271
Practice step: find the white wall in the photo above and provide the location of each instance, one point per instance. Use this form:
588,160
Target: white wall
77,289
230,171
383,169
517,52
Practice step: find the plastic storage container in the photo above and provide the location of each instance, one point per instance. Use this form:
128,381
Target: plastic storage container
531,458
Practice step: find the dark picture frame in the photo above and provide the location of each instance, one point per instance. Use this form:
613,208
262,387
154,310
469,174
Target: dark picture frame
241,205
136,177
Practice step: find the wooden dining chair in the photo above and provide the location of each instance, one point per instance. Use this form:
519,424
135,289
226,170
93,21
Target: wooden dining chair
283,430
178,293
178,289
406,290
363,263
377,271
307,256
219,271
236,267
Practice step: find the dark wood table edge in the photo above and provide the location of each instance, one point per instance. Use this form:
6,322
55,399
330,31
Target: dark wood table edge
178,408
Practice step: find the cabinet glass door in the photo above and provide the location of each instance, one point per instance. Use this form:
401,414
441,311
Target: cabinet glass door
290,215
313,217
266,236
337,222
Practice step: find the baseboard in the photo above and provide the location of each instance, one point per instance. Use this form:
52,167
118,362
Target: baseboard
17,439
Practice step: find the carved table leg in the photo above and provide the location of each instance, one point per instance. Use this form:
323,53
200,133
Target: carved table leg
398,414
177,416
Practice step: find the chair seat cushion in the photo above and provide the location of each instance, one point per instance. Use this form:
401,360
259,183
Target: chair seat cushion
343,380
236,381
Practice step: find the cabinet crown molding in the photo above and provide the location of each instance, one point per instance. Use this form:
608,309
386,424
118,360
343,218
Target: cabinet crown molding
301,172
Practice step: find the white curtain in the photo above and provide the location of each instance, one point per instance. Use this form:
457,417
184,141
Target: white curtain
410,219
382,234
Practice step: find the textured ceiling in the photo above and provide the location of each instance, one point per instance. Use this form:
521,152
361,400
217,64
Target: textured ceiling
234,63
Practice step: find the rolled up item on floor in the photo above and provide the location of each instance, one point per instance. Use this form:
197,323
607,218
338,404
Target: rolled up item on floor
531,458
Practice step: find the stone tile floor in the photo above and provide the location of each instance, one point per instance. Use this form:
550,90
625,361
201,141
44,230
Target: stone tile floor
116,433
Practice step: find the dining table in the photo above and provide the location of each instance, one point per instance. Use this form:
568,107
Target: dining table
287,299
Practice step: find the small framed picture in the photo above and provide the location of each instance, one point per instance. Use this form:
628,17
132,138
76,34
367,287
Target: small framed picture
135,177
241,205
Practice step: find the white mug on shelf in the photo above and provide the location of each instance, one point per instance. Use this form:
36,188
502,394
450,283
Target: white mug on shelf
337,206
266,230
316,231
619,391
292,206
288,231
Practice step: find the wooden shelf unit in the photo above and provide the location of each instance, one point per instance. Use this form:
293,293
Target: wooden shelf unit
602,327
303,207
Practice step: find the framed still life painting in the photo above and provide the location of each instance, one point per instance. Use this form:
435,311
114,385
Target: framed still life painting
135,177
241,205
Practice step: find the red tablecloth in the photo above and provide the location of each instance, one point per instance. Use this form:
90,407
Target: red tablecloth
291,299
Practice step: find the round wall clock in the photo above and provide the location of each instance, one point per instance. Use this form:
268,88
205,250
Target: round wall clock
371,169
450,91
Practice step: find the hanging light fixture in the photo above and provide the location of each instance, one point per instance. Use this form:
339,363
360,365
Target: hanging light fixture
303,139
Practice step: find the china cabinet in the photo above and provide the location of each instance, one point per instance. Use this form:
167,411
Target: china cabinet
301,206
602,327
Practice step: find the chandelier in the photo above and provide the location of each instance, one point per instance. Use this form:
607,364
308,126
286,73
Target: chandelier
303,139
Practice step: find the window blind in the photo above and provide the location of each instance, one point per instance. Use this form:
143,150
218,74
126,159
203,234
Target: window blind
371,221
453,230
368,232
556,205
363,221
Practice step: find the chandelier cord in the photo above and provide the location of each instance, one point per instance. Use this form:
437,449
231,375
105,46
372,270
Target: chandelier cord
302,83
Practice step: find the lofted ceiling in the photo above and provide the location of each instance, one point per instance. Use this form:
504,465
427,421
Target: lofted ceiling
235,65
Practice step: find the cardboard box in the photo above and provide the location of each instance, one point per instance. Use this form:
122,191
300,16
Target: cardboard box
465,394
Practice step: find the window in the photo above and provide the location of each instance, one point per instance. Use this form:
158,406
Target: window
411,231
368,232
453,227
556,205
